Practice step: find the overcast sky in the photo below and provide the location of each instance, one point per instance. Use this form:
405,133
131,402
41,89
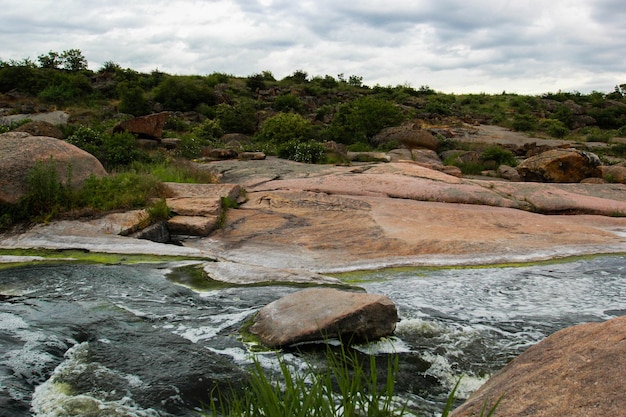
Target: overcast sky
453,46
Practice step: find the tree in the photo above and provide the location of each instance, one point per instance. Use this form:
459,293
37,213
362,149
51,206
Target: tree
73,60
286,127
132,100
52,60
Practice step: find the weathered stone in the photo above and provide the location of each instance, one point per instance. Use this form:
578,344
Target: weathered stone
157,232
319,313
246,274
251,156
427,158
614,173
195,206
150,126
560,165
576,372
230,191
410,135
170,143
508,173
368,157
40,128
20,152
219,153
192,225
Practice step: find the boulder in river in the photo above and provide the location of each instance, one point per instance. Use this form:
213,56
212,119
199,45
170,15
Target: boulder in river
320,313
576,372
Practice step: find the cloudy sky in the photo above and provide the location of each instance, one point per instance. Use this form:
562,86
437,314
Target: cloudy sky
453,46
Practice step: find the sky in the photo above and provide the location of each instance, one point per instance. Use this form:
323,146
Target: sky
452,46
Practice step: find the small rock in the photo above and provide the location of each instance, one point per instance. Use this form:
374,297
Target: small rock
150,126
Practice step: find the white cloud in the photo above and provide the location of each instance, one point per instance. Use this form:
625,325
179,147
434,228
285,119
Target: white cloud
526,46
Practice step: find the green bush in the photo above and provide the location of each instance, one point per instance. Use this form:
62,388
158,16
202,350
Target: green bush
238,118
127,190
286,127
554,128
310,151
184,93
119,149
132,99
88,139
47,195
524,123
499,155
287,103
208,131
361,119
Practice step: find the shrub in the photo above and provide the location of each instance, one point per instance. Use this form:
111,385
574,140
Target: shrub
208,131
524,123
499,155
361,119
286,127
126,190
132,100
119,149
46,195
184,93
87,139
288,102
555,128
310,151
238,118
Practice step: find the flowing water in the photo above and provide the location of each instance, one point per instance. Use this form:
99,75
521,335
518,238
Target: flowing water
125,340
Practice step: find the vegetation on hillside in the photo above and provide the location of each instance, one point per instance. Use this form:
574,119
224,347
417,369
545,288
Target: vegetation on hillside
292,117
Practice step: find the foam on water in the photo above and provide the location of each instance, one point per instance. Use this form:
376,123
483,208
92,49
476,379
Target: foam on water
54,398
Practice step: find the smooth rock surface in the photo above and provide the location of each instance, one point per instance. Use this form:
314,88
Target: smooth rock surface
321,313
577,372
20,152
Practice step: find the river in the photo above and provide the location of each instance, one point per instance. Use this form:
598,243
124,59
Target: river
131,340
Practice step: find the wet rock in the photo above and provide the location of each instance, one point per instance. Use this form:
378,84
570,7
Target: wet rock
560,165
20,152
150,126
319,313
245,274
576,372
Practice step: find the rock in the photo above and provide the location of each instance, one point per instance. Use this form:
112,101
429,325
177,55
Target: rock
614,173
54,117
508,173
251,156
149,127
368,157
219,153
401,154
560,165
320,313
192,225
245,274
410,135
40,128
576,372
427,158
157,232
170,143
20,152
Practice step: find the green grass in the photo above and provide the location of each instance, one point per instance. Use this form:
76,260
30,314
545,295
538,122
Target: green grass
347,386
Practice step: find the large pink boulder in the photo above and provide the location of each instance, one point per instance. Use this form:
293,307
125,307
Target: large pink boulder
577,372
150,126
560,165
319,313
20,152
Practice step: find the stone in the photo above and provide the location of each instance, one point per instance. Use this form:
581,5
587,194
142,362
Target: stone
368,157
251,156
560,165
219,153
148,127
508,173
427,158
245,274
576,372
192,225
322,313
40,128
410,135
20,152
614,173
